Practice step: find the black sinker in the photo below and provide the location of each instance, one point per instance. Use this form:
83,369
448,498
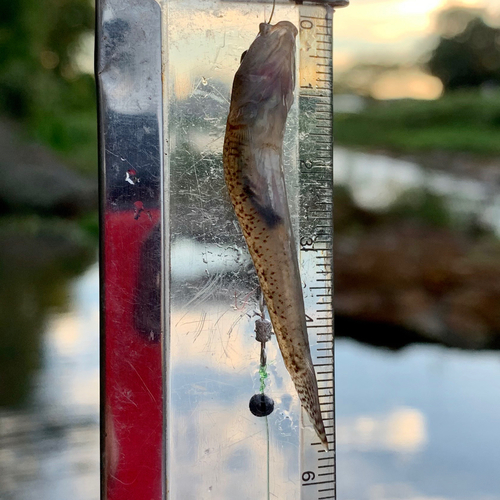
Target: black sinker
261,405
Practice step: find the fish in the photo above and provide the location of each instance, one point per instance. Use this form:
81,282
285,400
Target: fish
261,97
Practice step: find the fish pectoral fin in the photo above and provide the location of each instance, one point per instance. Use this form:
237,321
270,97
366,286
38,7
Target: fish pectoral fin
264,184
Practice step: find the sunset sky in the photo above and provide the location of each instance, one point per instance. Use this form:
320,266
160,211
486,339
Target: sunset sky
367,31
388,31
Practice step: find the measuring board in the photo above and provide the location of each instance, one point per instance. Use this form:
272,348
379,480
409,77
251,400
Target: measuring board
179,357
316,232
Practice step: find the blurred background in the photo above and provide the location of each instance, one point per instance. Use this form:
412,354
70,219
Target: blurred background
417,220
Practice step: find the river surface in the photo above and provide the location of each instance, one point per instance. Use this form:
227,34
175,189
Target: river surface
49,446
421,423
376,181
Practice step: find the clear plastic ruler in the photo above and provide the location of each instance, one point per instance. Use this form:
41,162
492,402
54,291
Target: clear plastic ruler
180,294
315,91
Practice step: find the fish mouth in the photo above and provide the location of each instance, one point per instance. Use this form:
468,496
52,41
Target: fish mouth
282,28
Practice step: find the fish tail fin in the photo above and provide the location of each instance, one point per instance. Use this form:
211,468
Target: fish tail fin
307,389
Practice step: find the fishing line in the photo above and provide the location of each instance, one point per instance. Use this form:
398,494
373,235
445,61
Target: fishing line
272,12
262,405
267,439
263,376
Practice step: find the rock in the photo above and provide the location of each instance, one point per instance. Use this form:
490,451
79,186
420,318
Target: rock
33,179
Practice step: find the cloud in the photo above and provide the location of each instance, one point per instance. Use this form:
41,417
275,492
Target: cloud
404,430
409,83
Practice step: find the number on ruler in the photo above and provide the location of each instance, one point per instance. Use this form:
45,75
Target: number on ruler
308,476
306,242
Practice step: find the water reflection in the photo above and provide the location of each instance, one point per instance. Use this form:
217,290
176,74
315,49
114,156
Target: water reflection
37,260
376,181
418,424
48,370
402,430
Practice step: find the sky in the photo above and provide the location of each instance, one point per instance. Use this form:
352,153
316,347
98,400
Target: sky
385,30
388,31
368,31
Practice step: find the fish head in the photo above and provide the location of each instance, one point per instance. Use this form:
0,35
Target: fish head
274,46
265,79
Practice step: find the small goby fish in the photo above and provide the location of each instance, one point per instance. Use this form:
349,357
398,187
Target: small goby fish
253,169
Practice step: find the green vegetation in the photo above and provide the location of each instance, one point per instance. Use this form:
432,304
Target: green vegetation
41,84
462,121
69,125
89,223
466,58
43,90
423,206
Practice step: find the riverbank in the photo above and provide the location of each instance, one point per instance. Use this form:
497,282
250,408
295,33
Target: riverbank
417,255
459,123
34,179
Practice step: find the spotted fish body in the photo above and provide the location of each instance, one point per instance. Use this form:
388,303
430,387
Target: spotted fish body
253,167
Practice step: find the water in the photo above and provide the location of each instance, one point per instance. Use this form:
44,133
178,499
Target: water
417,424
376,181
421,423
49,448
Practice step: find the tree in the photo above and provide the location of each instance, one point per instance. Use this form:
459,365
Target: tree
40,83
468,52
38,39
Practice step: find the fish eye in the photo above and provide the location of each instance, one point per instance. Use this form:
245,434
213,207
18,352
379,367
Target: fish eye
243,55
